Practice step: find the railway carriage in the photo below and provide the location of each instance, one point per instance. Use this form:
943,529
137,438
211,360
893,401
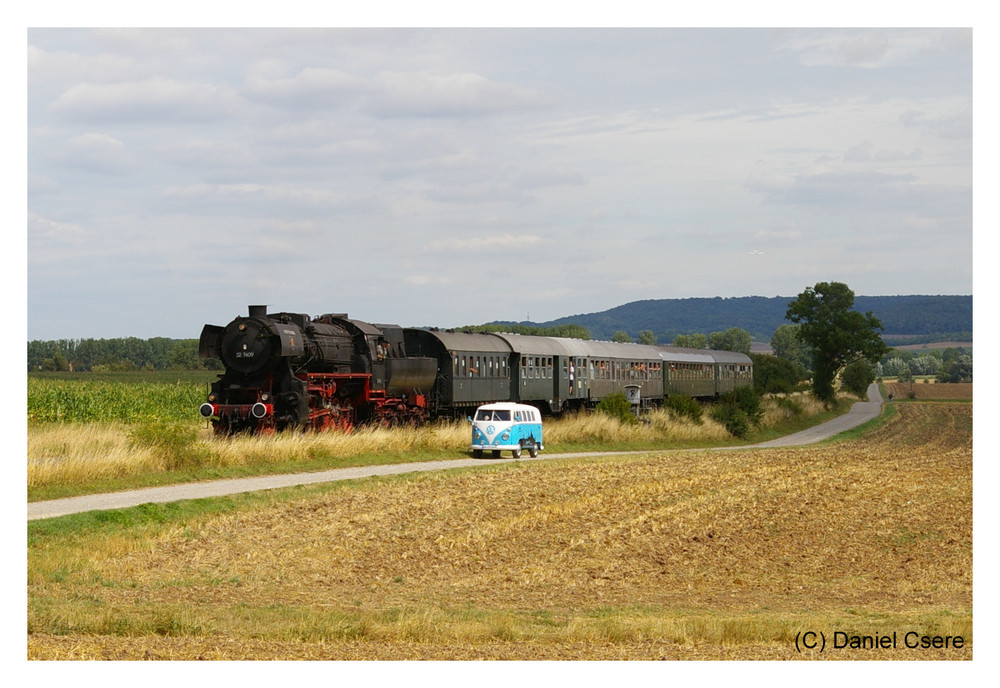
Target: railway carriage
613,366
690,372
472,368
732,370
540,370
704,373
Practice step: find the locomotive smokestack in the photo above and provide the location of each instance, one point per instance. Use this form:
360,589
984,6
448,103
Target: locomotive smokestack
258,311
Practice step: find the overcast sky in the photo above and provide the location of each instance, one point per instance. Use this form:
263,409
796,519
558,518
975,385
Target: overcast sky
452,177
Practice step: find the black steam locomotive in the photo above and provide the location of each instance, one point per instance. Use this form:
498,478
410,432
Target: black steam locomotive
285,370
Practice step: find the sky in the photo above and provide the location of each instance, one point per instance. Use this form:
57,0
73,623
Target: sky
446,177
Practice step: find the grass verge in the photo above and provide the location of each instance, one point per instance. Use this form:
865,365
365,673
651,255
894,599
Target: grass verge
69,459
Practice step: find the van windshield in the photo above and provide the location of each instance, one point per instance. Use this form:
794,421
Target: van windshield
485,414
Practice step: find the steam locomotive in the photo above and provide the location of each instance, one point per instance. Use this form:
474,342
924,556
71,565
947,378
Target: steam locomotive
285,370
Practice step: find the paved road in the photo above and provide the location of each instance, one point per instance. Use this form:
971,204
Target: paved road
861,412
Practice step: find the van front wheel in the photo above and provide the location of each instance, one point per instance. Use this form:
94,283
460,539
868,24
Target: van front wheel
516,453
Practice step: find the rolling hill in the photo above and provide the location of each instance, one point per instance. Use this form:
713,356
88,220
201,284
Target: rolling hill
930,317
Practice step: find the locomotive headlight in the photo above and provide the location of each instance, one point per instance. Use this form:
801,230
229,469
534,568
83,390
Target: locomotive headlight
211,397
265,396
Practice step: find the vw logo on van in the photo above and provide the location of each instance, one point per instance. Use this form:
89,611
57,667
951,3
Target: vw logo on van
490,430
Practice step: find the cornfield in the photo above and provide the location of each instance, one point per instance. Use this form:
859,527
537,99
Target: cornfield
103,401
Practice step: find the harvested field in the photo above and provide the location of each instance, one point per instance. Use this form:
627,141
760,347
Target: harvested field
930,391
689,555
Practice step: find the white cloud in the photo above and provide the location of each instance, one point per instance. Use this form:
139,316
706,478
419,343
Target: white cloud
312,88
153,100
95,152
473,245
448,95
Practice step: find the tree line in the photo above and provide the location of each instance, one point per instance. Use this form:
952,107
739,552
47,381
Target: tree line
117,355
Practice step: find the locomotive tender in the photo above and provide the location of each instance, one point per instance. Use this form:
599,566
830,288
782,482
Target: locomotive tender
285,370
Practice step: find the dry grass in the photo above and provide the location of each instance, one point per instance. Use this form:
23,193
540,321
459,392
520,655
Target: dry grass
700,554
84,452
597,428
68,454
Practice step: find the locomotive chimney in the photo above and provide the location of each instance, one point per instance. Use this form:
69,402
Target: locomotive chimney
258,311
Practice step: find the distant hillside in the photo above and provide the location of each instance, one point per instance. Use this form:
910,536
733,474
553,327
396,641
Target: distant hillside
926,316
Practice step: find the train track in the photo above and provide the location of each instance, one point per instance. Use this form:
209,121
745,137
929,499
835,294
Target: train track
860,412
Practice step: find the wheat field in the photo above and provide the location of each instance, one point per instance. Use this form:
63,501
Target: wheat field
688,555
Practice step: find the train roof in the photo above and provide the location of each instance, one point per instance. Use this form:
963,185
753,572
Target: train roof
682,355
505,342
731,357
583,348
467,341
687,355
535,344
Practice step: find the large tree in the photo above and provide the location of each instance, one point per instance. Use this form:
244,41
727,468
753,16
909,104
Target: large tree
837,334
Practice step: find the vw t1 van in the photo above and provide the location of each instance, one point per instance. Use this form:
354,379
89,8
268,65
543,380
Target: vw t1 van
506,426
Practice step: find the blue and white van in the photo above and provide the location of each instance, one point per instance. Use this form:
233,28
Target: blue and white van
506,426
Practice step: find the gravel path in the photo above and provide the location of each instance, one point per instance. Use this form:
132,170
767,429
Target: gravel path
861,412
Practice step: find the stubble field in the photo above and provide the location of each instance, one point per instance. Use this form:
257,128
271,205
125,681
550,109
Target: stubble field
930,391
686,555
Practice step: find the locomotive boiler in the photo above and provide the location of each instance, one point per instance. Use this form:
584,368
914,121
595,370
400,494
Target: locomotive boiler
285,370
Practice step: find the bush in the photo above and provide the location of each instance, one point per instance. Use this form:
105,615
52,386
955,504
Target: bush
175,442
790,405
733,419
739,410
747,400
681,406
618,407
856,378
773,375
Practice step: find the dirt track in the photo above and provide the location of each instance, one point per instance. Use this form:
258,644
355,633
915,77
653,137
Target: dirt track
861,412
